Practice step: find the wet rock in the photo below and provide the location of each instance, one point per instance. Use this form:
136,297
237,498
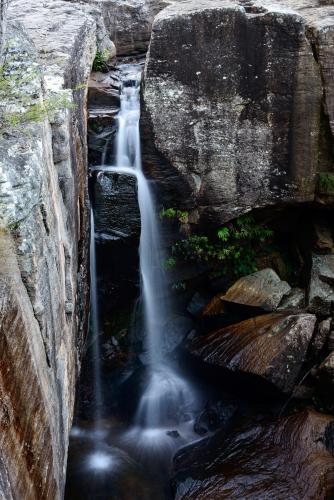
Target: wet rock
173,434
323,237
215,306
294,300
321,335
303,392
214,416
326,374
235,115
263,290
272,346
196,305
176,329
321,287
283,458
117,213
103,93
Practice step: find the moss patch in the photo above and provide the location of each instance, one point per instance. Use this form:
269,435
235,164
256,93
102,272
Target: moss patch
325,183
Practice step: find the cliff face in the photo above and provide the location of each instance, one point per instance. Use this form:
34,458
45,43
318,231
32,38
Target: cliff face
239,98
43,241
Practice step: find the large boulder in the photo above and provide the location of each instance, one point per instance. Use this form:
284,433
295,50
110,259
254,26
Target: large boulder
272,346
285,458
129,23
263,289
232,93
321,286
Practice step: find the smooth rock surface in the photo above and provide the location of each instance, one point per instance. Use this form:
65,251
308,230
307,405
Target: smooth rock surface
272,346
321,286
285,458
226,91
263,289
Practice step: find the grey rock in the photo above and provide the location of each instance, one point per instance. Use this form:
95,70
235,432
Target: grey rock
321,287
129,23
117,213
226,100
326,374
263,289
294,300
3,24
321,335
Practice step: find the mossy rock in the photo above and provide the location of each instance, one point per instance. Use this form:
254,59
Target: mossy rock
325,184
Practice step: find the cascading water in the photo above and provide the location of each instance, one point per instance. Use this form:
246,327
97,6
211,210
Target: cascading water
129,450
166,392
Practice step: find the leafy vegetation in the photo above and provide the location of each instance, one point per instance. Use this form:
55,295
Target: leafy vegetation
173,213
231,252
326,183
100,61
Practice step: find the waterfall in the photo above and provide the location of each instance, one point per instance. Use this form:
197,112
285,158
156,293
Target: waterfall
94,323
166,395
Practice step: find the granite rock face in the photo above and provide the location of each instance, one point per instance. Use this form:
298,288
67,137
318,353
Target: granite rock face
129,22
272,346
227,88
43,239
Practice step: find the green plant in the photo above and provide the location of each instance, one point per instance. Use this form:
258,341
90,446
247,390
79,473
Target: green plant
173,213
100,61
326,183
231,252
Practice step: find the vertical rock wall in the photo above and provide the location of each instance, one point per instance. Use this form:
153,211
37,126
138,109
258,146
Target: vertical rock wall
43,244
239,97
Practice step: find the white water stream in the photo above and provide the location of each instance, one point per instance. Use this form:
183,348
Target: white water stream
167,394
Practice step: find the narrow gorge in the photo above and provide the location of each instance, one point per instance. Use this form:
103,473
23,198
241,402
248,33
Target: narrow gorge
167,249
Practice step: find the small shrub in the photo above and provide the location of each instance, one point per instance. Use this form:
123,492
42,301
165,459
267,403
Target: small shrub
231,252
326,183
100,61
173,213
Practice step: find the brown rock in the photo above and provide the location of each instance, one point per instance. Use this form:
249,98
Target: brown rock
280,459
214,307
272,346
263,289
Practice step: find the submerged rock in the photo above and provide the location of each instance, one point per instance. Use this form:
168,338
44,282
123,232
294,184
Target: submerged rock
284,458
272,346
263,289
